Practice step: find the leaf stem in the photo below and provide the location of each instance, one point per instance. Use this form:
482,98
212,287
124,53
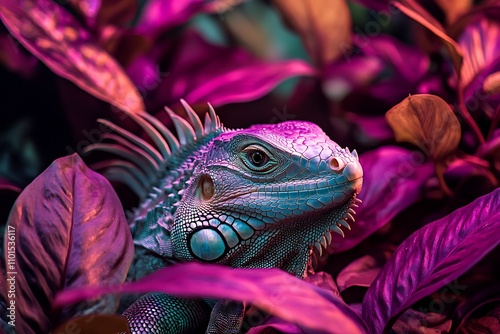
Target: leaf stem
494,122
462,109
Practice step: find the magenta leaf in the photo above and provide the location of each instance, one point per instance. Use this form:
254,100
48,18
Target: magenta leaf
408,62
6,185
67,229
394,179
275,326
204,72
480,42
161,15
272,290
381,67
13,58
417,12
50,33
428,323
101,12
431,258
361,272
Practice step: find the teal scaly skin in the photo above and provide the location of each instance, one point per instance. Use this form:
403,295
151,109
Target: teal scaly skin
267,196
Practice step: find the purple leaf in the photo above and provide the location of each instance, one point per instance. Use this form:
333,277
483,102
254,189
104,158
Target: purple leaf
102,12
394,179
432,257
6,185
323,280
272,290
490,323
415,11
275,325
50,33
13,57
202,72
423,323
161,15
362,271
69,230
371,128
470,176
466,310
342,77
480,42
383,67
408,62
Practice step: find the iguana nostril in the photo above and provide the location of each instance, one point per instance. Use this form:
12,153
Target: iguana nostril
336,164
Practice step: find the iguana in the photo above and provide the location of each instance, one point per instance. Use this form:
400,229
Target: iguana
266,196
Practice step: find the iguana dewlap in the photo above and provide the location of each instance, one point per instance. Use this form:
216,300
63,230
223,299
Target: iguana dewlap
267,196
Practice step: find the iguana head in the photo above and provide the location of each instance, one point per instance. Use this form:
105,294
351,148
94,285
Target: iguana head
266,196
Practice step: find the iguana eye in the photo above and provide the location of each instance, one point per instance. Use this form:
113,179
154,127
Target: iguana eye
257,158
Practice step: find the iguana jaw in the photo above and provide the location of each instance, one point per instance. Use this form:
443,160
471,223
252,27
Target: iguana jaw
331,222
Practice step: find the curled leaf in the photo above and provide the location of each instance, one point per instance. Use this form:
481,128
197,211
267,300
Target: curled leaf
223,74
431,258
60,230
415,11
315,21
428,122
272,290
54,36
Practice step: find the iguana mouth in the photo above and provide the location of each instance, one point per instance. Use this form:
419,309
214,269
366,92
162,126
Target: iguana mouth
346,213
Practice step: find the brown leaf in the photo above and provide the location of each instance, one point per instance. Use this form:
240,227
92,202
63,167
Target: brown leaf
416,12
324,26
453,9
491,84
428,122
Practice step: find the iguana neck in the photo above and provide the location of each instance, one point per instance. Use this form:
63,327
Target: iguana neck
151,222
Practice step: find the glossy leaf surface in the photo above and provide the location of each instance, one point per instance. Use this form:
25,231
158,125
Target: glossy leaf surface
55,37
63,225
432,257
272,290
428,122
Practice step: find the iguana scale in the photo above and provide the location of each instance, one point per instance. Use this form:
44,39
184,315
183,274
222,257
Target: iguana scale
266,196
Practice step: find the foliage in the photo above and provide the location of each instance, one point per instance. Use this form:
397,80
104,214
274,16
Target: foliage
412,84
